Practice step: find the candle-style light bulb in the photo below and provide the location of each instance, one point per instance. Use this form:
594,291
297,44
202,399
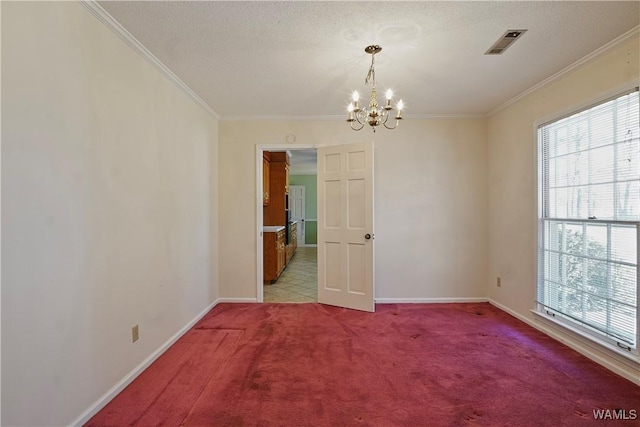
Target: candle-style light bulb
350,110
355,96
389,95
400,106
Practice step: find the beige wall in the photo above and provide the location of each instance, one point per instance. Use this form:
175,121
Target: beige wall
109,211
512,173
430,203
123,203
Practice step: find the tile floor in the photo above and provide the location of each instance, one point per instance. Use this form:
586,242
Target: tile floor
299,280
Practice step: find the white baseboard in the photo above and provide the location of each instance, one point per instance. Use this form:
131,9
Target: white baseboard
599,355
220,300
113,392
426,300
511,312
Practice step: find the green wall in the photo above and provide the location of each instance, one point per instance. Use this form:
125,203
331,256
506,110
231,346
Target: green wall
310,205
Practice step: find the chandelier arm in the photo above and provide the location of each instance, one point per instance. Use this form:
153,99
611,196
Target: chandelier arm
391,128
360,128
361,116
384,114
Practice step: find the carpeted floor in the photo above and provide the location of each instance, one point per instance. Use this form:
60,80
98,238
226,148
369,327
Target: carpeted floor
404,365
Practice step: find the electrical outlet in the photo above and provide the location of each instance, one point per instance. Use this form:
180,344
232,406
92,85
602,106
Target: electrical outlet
498,282
135,333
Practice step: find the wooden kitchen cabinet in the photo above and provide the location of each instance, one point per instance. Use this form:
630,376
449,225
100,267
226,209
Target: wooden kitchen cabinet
276,184
274,259
275,212
282,157
282,262
293,242
294,236
266,182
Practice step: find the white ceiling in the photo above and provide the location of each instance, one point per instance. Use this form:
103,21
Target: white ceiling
303,59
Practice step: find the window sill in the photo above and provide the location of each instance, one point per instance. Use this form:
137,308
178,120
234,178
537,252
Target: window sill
590,341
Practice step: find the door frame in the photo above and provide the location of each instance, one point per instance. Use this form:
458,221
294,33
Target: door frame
260,148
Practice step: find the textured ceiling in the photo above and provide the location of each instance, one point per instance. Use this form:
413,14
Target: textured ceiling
302,59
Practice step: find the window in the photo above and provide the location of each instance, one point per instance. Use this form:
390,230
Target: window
589,220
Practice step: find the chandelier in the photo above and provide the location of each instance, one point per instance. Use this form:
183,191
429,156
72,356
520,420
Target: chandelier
373,114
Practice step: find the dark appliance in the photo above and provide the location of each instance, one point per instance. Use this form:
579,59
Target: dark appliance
287,232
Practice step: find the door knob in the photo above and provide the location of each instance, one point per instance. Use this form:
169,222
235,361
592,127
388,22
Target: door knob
367,236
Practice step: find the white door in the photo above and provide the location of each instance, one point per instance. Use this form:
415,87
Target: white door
345,226
296,207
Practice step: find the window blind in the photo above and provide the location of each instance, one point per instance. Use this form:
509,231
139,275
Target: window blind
589,172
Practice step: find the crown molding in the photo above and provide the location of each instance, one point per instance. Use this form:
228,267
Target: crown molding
445,116
109,21
340,117
610,45
279,118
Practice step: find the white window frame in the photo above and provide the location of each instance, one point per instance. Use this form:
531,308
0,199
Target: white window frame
555,317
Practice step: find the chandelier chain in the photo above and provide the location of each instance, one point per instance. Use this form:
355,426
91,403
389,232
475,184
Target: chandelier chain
370,80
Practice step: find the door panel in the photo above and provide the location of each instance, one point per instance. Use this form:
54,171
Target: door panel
333,271
357,274
332,205
345,217
356,203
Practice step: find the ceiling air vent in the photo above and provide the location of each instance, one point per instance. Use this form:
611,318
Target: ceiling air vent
505,41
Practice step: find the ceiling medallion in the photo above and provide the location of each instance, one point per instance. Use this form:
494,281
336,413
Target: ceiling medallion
373,114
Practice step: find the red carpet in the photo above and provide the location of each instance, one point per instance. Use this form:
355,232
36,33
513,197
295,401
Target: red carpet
405,365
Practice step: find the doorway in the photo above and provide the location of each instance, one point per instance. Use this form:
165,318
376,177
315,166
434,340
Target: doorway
298,280
345,248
